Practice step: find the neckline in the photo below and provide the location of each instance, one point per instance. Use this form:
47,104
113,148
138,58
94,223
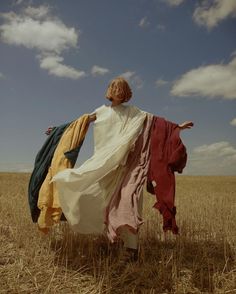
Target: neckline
110,106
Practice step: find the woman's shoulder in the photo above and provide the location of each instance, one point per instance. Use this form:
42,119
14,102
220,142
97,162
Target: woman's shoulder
101,107
135,109
130,107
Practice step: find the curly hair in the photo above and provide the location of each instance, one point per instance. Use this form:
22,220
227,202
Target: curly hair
119,88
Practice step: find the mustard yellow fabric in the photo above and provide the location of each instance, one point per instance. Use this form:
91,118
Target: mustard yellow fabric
48,201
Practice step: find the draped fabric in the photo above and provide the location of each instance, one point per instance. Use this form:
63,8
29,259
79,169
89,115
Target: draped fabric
124,208
42,162
104,194
167,155
48,202
85,192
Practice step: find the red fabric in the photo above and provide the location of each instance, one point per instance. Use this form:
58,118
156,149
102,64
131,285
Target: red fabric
167,155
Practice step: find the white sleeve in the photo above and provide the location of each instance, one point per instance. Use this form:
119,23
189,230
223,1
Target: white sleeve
96,110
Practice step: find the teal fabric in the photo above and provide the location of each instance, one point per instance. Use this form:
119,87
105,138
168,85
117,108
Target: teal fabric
42,163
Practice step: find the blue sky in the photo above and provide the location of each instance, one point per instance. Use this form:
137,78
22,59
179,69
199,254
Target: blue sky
179,57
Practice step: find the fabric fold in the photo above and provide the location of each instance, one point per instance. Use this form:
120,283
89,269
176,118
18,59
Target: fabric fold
167,155
41,165
48,201
84,192
124,208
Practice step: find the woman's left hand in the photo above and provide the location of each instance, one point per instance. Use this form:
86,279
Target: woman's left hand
186,125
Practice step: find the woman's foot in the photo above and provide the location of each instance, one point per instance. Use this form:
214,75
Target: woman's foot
129,255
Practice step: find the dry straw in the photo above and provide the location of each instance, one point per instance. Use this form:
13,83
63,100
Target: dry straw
200,260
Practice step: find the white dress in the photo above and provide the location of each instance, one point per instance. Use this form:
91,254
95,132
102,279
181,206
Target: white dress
85,191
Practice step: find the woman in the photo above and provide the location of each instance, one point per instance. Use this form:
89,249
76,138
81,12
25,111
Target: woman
89,194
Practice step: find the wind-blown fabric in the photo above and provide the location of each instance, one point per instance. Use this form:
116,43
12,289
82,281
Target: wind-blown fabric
42,162
85,192
124,209
167,155
48,202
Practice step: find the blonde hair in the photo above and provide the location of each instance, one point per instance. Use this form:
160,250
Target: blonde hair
119,88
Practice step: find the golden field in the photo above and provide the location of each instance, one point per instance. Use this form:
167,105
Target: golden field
202,259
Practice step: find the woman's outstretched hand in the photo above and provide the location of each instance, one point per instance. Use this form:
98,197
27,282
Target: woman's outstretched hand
92,117
48,131
186,125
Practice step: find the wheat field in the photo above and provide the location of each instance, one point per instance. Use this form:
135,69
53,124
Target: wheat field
201,259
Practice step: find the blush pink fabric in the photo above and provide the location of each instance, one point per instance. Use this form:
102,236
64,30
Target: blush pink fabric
122,209
167,155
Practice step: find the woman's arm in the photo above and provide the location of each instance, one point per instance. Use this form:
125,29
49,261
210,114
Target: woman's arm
48,131
186,125
92,117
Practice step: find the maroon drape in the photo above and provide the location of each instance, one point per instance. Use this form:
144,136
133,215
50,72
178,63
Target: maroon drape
167,155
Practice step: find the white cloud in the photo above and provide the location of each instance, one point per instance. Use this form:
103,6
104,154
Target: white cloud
134,79
138,82
37,12
160,82
128,74
53,63
173,2
144,22
2,76
97,70
217,149
17,2
218,158
216,80
233,53
210,13
35,28
233,122
47,35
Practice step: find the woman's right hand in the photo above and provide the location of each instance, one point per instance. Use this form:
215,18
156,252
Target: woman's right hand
48,131
186,125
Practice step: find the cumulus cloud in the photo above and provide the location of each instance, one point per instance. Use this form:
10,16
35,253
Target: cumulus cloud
233,122
17,2
173,2
134,79
210,13
53,63
217,149
36,28
97,70
218,158
144,22
37,12
216,80
128,74
160,82
47,35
